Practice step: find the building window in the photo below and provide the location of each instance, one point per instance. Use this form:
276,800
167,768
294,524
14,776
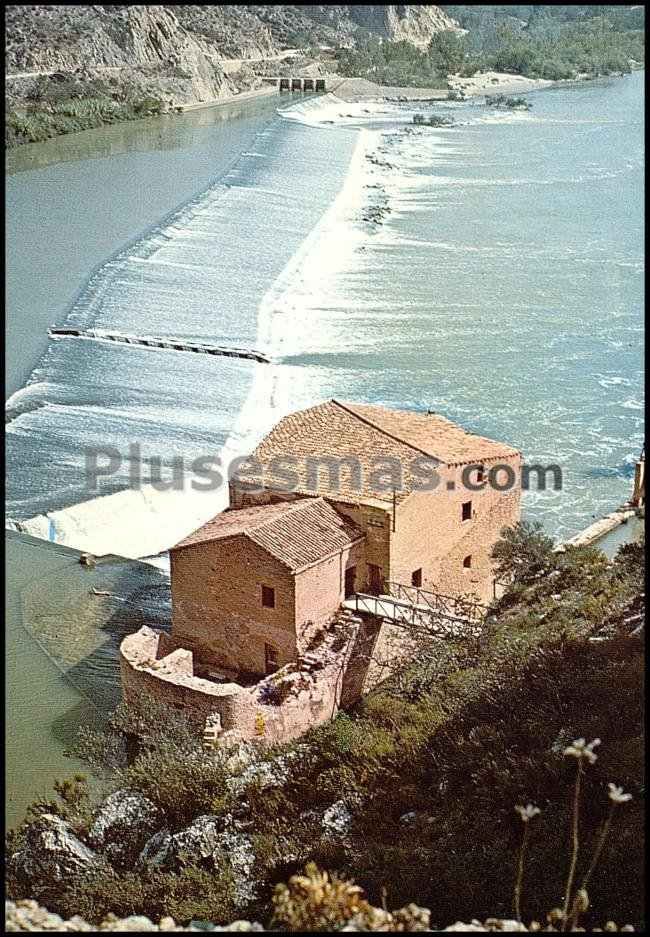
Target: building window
467,510
416,578
480,474
271,662
467,562
268,597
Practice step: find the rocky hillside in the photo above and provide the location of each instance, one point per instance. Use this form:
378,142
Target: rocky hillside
43,37
412,793
66,37
71,67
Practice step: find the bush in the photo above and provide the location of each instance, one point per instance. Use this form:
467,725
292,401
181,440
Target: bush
157,750
523,553
192,894
502,100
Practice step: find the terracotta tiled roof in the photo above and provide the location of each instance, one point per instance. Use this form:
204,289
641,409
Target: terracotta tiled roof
431,433
368,434
297,533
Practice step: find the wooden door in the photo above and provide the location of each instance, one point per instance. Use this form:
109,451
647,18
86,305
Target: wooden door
375,579
350,581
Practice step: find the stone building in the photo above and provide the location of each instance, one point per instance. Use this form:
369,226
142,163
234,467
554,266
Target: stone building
251,587
438,539
338,502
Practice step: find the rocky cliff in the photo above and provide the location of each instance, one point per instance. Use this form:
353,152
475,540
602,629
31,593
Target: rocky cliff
48,37
415,23
69,67
65,37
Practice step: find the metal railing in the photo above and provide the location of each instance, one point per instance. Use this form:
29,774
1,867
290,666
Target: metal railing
423,618
455,607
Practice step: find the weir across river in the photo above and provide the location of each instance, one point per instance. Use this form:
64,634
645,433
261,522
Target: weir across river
295,84
169,344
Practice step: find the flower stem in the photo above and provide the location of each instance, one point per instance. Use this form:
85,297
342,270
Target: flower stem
520,873
575,843
599,845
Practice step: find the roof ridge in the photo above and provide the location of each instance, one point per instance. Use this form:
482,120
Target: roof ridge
381,429
289,506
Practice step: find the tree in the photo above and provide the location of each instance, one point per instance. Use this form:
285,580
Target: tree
523,553
448,50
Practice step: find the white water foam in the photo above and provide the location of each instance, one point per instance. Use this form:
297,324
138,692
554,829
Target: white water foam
145,522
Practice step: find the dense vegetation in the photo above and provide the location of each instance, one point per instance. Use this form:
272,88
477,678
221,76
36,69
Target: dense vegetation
71,103
430,767
540,41
402,64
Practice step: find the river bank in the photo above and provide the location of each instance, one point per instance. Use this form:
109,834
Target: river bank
64,623
488,83
239,97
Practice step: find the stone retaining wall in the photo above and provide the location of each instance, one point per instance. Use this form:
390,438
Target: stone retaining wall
352,657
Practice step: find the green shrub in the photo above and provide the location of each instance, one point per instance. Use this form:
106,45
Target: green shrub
523,554
192,894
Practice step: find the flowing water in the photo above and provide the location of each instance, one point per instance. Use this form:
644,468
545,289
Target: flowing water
503,287
75,200
491,271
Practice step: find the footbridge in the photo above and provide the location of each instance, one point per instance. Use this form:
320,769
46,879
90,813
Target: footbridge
284,83
419,610
170,344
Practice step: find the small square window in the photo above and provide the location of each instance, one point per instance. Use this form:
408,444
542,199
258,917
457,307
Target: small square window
467,510
268,597
480,474
467,562
416,578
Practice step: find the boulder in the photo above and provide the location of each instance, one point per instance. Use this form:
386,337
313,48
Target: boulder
237,848
197,843
156,851
52,854
337,819
408,818
209,839
123,825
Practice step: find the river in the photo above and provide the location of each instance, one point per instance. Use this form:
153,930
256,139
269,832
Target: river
85,195
491,270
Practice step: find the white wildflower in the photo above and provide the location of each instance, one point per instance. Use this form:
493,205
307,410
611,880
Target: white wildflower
582,750
616,794
528,812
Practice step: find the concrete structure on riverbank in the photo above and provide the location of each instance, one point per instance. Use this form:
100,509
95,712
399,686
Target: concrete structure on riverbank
296,83
605,525
314,585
